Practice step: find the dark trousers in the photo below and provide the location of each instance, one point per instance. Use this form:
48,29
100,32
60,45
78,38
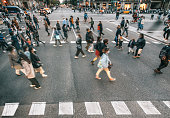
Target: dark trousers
38,40
34,82
125,30
46,29
58,41
164,63
78,52
3,45
136,53
120,44
91,27
166,35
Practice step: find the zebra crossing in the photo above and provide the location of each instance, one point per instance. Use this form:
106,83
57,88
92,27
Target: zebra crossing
91,108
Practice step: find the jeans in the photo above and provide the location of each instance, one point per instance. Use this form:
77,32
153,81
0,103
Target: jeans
164,63
71,25
78,52
59,31
125,30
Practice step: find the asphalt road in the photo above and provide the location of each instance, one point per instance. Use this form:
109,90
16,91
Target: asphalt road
137,92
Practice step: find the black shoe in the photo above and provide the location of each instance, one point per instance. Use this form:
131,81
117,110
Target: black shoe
128,52
92,62
157,71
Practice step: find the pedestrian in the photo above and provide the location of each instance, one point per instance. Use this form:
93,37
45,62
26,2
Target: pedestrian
122,24
36,37
140,44
65,30
64,21
125,29
103,45
59,29
29,71
85,17
131,45
15,42
90,41
21,36
165,58
92,24
15,61
3,43
71,22
29,43
166,32
36,22
117,15
142,22
26,51
56,37
139,23
28,32
87,38
104,64
97,46
19,17
79,47
46,27
36,63
118,34
48,21
120,40
100,29
78,25
67,23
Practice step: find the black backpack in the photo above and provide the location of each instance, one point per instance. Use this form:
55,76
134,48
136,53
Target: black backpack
163,52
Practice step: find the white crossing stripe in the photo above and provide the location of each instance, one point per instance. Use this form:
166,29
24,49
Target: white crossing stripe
10,109
120,108
167,103
93,108
109,29
66,108
123,42
37,108
148,107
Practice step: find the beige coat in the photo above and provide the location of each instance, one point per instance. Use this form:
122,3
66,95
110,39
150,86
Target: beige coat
29,70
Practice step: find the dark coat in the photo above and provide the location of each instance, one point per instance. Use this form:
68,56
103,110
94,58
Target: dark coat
35,59
79,43
58,26
101,48
140,43
15,42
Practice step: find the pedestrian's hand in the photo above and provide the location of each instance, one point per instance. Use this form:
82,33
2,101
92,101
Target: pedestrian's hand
12,66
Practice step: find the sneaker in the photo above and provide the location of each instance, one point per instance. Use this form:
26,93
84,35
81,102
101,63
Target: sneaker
157,71
4,51
76,57
92,51
55,45
112,79
37,88
92,62
44,75
60,45
89,51
128,52
84,56
32,85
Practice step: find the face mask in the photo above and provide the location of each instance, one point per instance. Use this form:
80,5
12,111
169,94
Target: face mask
108,52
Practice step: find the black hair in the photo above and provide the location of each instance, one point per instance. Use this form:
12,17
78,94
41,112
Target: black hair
24,57
105,50
141,35
25,47
10,48
105,41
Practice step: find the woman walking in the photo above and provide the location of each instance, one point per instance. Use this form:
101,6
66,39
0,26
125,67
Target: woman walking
46,27
56,37
91,42
65,30
97,52
78,25
126,26
118,34
36,63
79,47
14,60
104,65
29,71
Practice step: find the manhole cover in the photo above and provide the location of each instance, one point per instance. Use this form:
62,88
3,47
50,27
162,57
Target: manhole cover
149,32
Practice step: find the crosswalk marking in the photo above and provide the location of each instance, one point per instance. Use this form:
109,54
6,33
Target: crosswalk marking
66,108
10,109
93,108
120,108
167,103
148,107
37,108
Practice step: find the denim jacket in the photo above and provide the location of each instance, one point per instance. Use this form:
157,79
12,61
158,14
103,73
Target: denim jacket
105,60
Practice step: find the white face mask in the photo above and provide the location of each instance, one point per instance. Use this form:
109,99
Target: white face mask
108,52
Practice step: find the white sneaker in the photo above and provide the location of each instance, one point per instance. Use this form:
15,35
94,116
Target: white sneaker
60,45
76,57
32,85
37,88
55,45
89,51
84,56
44,75
92,51
4,51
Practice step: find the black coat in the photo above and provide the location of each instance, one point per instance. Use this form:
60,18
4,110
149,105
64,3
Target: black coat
34,60
101,48
140,43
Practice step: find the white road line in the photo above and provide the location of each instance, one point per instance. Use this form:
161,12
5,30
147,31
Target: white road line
66,108
93,108
125,42
37,108
109,29
74,33
120,108
10,109
148,107
167,103
52,36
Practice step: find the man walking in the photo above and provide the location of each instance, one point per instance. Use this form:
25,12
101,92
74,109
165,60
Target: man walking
36,22
165,58
59,29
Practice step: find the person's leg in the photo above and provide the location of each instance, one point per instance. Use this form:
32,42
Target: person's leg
82,52
59,42
126,32
108,72
95,59
17,71
32,81
136,53
41,70
164,63
164,35
98,72
37,85
78,52
167,35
